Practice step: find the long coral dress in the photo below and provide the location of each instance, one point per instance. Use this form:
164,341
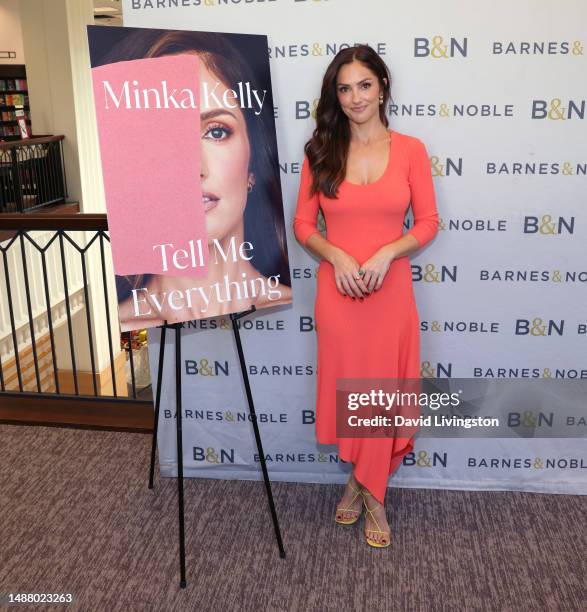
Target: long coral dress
377,337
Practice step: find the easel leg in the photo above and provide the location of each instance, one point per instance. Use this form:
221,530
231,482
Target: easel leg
157,404
182,582
177,327
241,356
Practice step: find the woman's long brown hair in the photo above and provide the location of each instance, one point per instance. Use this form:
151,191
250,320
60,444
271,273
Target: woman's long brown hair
327,150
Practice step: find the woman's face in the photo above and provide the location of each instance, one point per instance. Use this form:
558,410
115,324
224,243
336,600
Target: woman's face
358,92
225,160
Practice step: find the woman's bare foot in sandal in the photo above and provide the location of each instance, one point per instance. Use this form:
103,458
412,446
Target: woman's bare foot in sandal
350,506
377,531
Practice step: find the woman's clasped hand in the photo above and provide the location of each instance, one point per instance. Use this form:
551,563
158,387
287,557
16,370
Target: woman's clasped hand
360,280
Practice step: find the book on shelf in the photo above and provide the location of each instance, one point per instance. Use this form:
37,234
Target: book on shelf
15,120
13,85
9,130
22,124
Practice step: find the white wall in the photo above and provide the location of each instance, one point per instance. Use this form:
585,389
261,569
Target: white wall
10,32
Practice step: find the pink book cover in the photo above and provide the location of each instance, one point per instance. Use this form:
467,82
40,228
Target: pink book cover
149,131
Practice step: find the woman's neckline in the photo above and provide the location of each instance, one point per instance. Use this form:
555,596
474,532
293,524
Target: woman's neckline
391,139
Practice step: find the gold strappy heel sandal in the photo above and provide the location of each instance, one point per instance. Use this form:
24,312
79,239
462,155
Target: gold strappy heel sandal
353,520
369,540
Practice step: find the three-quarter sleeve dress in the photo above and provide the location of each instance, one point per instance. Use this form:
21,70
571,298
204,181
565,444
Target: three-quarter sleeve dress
377,337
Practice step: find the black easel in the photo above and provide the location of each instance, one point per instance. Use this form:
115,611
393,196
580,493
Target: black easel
177,326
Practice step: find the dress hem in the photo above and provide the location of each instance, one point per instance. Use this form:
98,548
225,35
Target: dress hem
394,463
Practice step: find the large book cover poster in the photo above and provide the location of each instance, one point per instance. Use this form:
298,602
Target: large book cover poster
191,173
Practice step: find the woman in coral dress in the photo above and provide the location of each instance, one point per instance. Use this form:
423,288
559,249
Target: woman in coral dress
363,177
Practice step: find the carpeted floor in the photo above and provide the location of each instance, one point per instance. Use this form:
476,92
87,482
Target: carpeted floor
77,517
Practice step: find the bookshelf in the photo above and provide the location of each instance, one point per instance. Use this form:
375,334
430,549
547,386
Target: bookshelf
13,93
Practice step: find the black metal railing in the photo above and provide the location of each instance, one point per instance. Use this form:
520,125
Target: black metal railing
55,285
32,174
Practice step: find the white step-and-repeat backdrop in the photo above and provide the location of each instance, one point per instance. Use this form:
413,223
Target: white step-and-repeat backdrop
497,92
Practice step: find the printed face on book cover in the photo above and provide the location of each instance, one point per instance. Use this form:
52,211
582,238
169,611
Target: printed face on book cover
245,248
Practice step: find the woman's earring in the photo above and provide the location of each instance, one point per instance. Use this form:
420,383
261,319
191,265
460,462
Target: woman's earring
251,183
381,99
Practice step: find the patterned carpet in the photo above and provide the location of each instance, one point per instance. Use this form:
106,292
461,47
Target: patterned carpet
77,517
